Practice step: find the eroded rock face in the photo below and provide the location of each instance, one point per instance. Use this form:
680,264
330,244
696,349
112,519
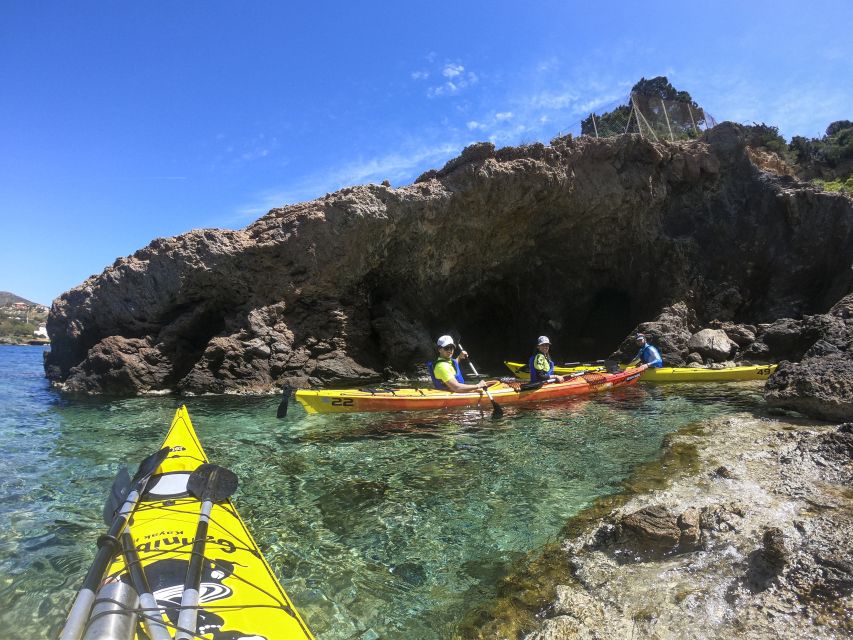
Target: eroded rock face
821,384
580,240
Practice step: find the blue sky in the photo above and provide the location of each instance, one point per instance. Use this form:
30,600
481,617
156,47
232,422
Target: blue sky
122,122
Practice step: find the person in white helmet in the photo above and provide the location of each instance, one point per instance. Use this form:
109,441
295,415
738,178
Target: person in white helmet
540,364
445,371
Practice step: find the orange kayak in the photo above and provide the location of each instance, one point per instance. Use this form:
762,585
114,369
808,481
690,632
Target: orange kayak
411,399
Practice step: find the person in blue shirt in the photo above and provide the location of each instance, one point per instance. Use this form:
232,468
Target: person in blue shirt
540,364
647,355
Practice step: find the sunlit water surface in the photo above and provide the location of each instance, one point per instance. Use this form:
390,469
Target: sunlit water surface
378,525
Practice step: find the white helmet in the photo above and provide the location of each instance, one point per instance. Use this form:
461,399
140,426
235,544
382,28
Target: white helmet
444,341
543,340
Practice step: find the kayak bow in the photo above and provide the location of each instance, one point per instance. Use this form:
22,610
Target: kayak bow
239,596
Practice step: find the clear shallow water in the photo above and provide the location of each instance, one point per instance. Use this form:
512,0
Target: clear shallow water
378,525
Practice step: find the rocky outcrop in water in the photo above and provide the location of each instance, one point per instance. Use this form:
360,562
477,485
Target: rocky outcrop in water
580,239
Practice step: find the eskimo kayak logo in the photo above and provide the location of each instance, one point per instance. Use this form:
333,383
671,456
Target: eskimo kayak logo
166,578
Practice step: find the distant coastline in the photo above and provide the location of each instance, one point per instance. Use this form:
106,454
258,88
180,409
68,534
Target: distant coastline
22,322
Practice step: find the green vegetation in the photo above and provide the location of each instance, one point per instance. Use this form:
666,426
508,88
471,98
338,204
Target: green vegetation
662,106
827,161
842,186
767,137
12,328
658,110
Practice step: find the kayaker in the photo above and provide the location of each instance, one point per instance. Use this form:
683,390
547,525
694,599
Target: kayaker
540,364
445,371
647,355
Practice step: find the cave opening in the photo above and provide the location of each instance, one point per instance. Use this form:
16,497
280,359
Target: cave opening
494,328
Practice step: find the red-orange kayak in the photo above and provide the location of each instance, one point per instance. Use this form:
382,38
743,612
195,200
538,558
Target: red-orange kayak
410,399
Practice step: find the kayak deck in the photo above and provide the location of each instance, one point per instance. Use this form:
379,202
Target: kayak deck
414,399
669,374
239,594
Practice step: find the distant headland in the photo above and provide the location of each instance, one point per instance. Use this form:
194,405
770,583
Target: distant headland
22,321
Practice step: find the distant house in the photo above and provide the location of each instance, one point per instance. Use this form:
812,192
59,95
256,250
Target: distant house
21,305
40,308
41,332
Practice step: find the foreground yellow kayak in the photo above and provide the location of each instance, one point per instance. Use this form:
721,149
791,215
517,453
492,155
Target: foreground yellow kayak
668,374
238,596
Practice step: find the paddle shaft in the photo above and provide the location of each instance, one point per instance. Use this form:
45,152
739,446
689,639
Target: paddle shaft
188,617
150,611
496,408
108,546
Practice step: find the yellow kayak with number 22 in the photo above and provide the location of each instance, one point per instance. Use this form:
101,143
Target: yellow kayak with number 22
668,374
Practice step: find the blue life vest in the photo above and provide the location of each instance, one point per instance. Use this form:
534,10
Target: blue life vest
650,356
438,384
537,374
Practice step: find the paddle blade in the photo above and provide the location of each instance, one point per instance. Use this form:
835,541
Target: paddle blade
149,465
285,399
497,411
212,482
531,386
118,493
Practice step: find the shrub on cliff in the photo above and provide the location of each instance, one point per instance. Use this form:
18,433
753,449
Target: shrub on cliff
683,115
829,157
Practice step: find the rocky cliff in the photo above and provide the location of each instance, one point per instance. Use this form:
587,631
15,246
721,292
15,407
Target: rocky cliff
581,239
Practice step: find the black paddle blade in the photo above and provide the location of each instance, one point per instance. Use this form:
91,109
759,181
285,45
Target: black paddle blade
531,386
118,493
285,398
212,482
497,412
612,366
150,464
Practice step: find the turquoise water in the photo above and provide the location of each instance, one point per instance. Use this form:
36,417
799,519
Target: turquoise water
378,525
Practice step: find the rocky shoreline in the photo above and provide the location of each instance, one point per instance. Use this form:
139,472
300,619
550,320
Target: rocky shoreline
743,528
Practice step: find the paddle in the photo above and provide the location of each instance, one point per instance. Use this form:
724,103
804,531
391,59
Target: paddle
577,364
108,546
497,412
209,483
149,610
281,412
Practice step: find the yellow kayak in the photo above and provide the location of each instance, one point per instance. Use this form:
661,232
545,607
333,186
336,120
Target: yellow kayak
668,374
238,595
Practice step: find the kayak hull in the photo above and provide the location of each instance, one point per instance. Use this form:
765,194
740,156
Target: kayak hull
357,400
239,593
670,374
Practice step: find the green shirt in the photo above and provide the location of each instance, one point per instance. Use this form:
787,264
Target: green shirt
444,370
540,362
